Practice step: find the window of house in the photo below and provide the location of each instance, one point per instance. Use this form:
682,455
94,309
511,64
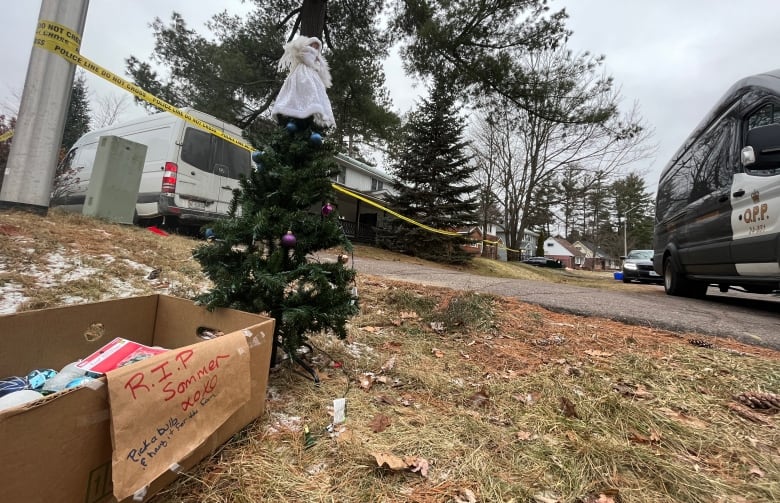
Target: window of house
376,184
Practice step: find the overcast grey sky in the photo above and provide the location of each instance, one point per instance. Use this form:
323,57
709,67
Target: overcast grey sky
675,58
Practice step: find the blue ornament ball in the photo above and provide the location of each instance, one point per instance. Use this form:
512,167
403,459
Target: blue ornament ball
291,127
210,235
316,138
257,156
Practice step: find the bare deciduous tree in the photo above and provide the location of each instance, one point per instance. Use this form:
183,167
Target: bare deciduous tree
588,132
108,109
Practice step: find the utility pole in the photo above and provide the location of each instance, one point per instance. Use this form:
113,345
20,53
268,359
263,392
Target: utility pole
625,229
32,160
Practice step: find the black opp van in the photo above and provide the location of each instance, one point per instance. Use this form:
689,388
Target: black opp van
717,219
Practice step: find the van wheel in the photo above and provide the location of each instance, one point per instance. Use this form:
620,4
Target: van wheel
675,283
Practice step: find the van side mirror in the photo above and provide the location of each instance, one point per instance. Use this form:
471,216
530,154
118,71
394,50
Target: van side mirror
747,156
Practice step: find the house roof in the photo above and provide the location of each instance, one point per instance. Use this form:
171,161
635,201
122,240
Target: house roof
361,166
600,252
576,252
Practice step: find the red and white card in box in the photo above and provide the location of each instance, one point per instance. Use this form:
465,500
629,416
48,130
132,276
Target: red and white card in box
115,354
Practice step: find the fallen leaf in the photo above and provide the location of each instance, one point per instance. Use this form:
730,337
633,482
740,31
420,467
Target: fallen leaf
392,345
464,355
567,408
437,353
409,315
385,400
393,462
638,438
465,496
344,435
594,352
410,463
524,435
546,498
757,472
366,381
684,418
370,329
528,398
479,399
380,423
630,390
388,365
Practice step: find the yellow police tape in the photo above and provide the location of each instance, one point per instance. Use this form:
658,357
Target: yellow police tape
65,43
44,40
7,135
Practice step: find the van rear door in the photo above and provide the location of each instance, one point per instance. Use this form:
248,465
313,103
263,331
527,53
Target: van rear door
231,162
197,185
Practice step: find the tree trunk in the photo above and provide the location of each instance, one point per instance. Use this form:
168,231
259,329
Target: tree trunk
313,18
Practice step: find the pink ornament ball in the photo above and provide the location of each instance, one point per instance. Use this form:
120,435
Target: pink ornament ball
289,240
327,209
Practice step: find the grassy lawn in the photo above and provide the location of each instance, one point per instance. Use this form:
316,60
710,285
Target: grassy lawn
451,396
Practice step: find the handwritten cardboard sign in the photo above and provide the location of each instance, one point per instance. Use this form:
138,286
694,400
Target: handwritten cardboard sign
164,407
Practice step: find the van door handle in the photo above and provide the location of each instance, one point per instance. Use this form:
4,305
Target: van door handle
739,193
227,187
723,199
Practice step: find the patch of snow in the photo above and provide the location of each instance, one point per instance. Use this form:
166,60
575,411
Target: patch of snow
11,297
358,350
283,423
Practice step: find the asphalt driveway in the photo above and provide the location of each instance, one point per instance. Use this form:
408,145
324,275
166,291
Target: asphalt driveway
753,319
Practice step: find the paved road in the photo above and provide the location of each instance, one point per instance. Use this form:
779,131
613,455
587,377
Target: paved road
753,319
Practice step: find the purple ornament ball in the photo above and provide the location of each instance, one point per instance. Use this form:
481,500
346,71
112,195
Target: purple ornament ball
289,240
327,209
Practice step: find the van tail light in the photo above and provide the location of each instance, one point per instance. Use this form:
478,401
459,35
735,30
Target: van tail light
169,177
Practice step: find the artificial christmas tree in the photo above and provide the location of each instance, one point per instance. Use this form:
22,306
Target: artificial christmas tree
258,259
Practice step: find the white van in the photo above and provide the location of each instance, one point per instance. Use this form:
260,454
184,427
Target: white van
718,204
188,177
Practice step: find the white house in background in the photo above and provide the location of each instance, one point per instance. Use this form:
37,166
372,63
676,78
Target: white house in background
560,249
596,258
359,219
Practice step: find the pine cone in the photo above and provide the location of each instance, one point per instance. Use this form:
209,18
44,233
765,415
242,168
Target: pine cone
701,343
759,400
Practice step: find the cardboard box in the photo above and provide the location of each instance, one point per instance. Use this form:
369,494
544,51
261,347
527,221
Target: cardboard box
59,449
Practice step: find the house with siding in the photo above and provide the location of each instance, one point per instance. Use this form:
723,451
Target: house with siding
526,248
560,249
360,218
596,258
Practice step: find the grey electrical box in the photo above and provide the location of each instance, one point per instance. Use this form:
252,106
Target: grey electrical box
116,176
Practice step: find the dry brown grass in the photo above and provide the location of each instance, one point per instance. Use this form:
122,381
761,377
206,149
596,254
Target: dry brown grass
505,401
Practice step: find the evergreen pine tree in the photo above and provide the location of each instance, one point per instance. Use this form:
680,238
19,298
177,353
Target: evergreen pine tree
433,176
258,258
77,121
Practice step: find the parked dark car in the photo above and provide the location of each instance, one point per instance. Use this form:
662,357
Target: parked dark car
638,266
543,262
